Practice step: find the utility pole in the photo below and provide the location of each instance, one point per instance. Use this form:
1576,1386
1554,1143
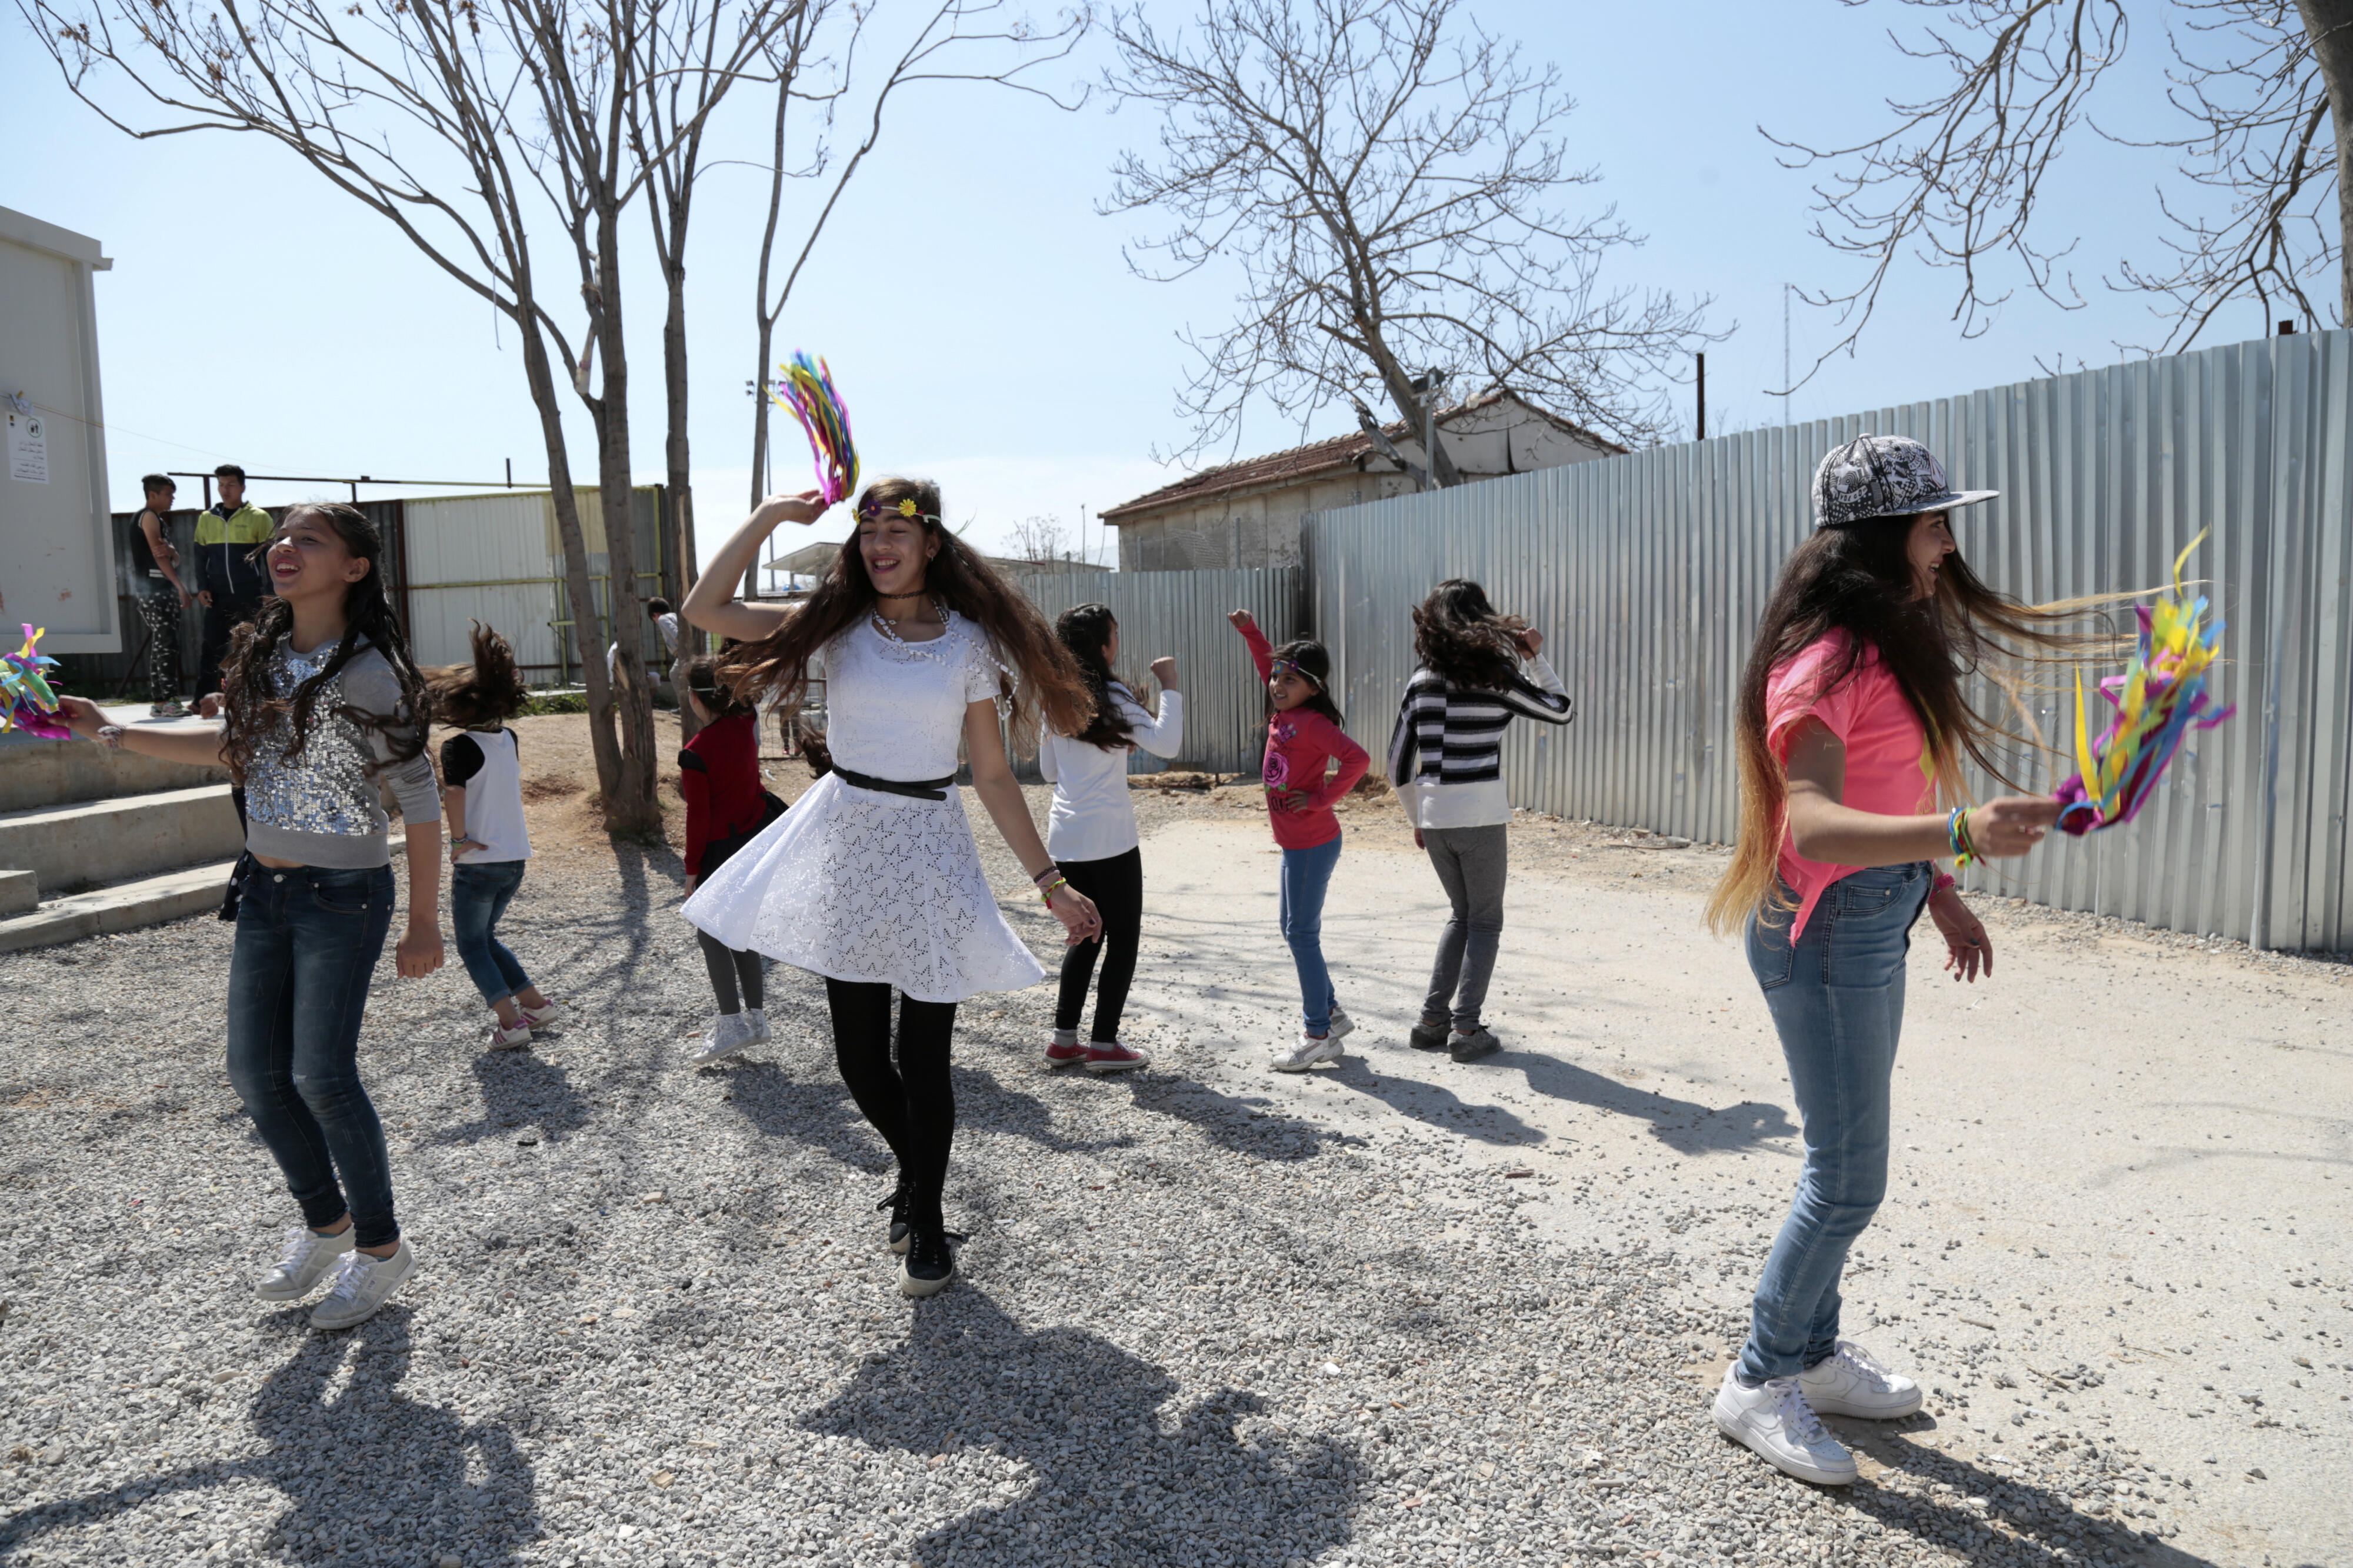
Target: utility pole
1784,352
1428,385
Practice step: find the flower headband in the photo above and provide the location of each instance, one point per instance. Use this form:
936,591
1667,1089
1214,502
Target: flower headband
905,507
1279,665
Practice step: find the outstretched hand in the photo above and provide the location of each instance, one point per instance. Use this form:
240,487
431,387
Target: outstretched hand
805,507
2012,825
1242,619
80,715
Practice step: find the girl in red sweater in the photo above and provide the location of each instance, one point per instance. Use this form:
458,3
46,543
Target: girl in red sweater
1303,738
726,806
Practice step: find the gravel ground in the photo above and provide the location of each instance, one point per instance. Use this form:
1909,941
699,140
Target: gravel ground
653,1323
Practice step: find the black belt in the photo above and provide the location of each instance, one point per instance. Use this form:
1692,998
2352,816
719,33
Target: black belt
926,789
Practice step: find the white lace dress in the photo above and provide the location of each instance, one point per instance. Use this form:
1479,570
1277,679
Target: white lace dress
856,884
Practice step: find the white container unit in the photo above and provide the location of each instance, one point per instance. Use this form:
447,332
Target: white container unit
56,550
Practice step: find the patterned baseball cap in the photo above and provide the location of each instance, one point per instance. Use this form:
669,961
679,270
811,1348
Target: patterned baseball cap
1883,475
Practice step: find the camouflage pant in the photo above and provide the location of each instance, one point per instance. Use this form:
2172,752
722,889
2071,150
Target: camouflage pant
161,610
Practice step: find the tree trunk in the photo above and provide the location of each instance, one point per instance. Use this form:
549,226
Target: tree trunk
633,808
578,591
680,524
2329,25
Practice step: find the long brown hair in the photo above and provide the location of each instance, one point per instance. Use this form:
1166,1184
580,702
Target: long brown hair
1459,638
1085,630
959,577
1857,578
488,691
253,706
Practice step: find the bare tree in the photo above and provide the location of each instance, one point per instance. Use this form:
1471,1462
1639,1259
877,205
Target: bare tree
1384,176
955,31
1959,181
459,126
692,53
1042,539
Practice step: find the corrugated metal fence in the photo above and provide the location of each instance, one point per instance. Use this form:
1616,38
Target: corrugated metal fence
1183,614
1649,573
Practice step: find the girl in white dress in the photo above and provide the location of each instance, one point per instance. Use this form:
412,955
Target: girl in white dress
873,880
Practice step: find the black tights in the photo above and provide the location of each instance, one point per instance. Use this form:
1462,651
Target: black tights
731,970
913,1104
1116,884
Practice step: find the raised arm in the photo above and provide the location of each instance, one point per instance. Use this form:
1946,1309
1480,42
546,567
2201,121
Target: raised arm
1262,650
1161,733
711,602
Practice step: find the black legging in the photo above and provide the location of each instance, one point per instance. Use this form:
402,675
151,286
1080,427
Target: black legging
730,970
912,1105
1116,886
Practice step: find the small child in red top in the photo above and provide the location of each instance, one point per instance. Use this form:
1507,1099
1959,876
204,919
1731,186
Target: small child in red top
726,807
1304,739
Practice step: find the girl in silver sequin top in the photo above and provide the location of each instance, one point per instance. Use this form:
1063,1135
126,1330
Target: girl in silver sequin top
320,700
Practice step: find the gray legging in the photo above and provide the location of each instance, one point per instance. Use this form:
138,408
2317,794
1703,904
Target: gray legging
1471,863
735,975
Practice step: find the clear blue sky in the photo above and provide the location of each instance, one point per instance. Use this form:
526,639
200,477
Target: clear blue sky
976,307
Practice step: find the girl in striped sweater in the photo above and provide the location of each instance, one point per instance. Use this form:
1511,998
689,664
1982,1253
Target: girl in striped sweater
1478,670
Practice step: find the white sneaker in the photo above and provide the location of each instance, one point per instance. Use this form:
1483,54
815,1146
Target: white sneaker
541,1017
1307,1053
308,1256
1851,1384
1776,1421
498,1038
365,1283
759,1021
1341,1023
729,1034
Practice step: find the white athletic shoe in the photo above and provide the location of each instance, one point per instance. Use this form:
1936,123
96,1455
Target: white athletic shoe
1776,1421
498,1038
541,1017
759,1020
1307,1053
1341,1023
308,1256
729,1034
1851,1384
365,1283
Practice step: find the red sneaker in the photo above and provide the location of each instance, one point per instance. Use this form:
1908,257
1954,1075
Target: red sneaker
1114,1057
1062,1056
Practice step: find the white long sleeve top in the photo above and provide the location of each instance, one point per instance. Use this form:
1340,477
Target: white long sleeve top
1092,818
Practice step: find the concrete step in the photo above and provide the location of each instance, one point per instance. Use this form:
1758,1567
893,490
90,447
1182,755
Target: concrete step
93,843
37,772
19,892
150,901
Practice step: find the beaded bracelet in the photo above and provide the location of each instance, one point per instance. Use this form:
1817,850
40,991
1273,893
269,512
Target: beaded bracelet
1046,893
1943,879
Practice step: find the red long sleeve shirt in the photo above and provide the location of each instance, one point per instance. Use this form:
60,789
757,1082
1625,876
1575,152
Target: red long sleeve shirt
719,773
1299,742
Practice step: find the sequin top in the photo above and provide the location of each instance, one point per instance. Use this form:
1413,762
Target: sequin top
324,807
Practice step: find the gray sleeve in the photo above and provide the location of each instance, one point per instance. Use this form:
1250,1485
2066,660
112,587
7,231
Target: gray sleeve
369,686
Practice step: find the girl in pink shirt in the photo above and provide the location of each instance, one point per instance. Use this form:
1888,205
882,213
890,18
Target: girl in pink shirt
1851,716
1303,738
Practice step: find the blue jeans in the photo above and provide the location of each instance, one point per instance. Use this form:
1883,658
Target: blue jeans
1837,1001
1306,874
307,940
477,897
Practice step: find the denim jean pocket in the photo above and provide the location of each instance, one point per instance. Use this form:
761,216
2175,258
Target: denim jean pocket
1772,947
1872,891
349,892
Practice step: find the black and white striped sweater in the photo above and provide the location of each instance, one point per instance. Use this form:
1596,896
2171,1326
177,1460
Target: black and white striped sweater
1445,755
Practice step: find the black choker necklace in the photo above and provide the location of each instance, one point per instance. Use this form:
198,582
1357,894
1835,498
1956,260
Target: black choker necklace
918,595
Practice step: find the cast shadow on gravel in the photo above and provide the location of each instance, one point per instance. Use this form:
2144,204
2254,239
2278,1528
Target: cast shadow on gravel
1433,1104
520,1090
1056,1401
2044,1530
1685,1126
1238,1125
361,1467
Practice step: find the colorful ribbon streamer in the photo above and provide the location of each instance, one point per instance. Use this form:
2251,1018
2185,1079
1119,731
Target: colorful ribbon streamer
2160,699
28,706
806,389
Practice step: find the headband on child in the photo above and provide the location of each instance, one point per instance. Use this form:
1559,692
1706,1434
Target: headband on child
1277,666
905,508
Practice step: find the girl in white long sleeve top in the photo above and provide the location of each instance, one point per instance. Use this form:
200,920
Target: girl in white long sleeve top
1091,833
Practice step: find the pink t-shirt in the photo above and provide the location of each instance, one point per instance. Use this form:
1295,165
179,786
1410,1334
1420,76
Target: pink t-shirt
1299,742
1890,769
